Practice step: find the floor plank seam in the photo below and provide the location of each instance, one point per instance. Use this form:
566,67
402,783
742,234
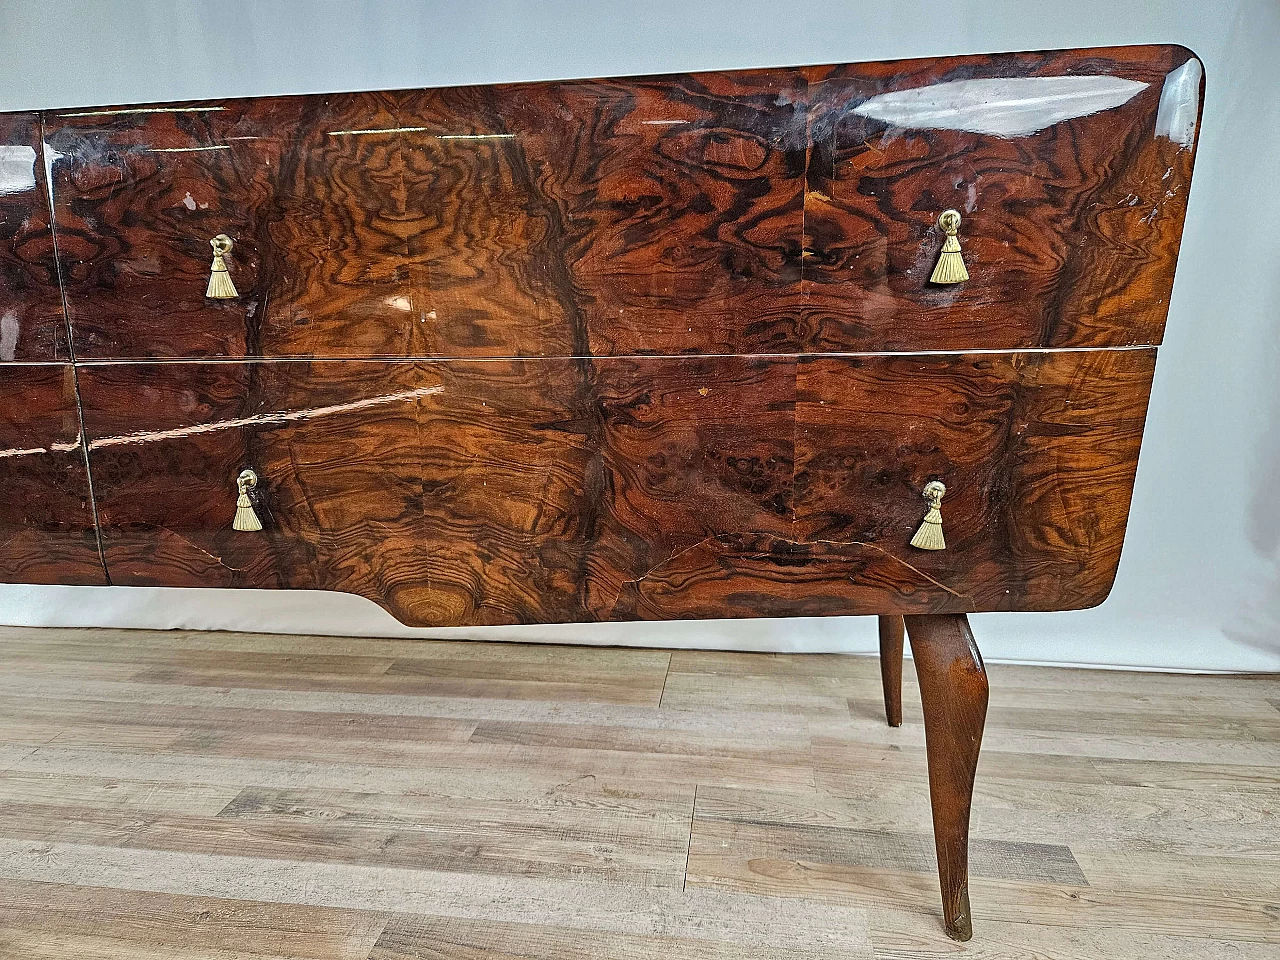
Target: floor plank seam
665,677
688,847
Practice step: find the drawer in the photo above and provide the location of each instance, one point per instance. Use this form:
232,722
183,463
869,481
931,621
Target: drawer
516,491
792,487
1070,170
138,193
31,323
46,520
429,488
337,453
1037,452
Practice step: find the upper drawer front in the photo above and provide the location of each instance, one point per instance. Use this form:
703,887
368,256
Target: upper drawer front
32,326
489,492
1070,171
775,211
138,194
46,520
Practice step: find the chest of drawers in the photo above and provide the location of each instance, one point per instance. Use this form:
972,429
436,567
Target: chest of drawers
857,339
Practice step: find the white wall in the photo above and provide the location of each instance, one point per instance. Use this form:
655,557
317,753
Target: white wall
1199,585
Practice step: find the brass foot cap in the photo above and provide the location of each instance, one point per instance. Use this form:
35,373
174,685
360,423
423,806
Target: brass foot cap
960,926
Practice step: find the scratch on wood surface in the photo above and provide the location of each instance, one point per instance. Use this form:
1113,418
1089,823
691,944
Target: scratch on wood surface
262,419
196,546
920,573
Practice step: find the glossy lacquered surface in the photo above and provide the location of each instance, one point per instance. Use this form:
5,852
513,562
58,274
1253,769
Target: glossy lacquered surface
488,492
32,326
46,519
773,211
613,349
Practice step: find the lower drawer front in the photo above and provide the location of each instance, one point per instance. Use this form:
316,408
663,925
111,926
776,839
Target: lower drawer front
46,520
489,492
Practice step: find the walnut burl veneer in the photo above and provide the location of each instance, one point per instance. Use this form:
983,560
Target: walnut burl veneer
32,324
46,519
720,213
598,350
536,491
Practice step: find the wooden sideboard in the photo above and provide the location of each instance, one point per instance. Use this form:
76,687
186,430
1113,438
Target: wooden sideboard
644,348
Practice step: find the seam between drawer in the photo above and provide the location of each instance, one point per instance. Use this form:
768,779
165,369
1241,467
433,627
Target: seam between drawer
71,349
993,351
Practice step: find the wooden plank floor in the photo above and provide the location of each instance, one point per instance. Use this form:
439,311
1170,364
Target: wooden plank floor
182,795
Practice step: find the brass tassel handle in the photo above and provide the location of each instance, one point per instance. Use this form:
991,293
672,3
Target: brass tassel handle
220,285
246,520
929,536
950,268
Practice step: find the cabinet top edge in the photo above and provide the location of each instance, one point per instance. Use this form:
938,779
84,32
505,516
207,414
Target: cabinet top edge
1139,55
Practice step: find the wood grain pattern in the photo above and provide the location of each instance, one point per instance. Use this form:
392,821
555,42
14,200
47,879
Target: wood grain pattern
719,213
1037,451
1116,815
953,695
679,202
47,530
32,326
892,631
137,195
334,481
1070,232
491,492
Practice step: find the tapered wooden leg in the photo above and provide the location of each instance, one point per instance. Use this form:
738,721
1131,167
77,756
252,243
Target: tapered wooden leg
953,689
891,667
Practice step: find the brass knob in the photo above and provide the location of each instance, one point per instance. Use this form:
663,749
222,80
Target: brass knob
929,536
950,268
220,285
246,520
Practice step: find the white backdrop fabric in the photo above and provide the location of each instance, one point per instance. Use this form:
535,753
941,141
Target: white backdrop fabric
1199,584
